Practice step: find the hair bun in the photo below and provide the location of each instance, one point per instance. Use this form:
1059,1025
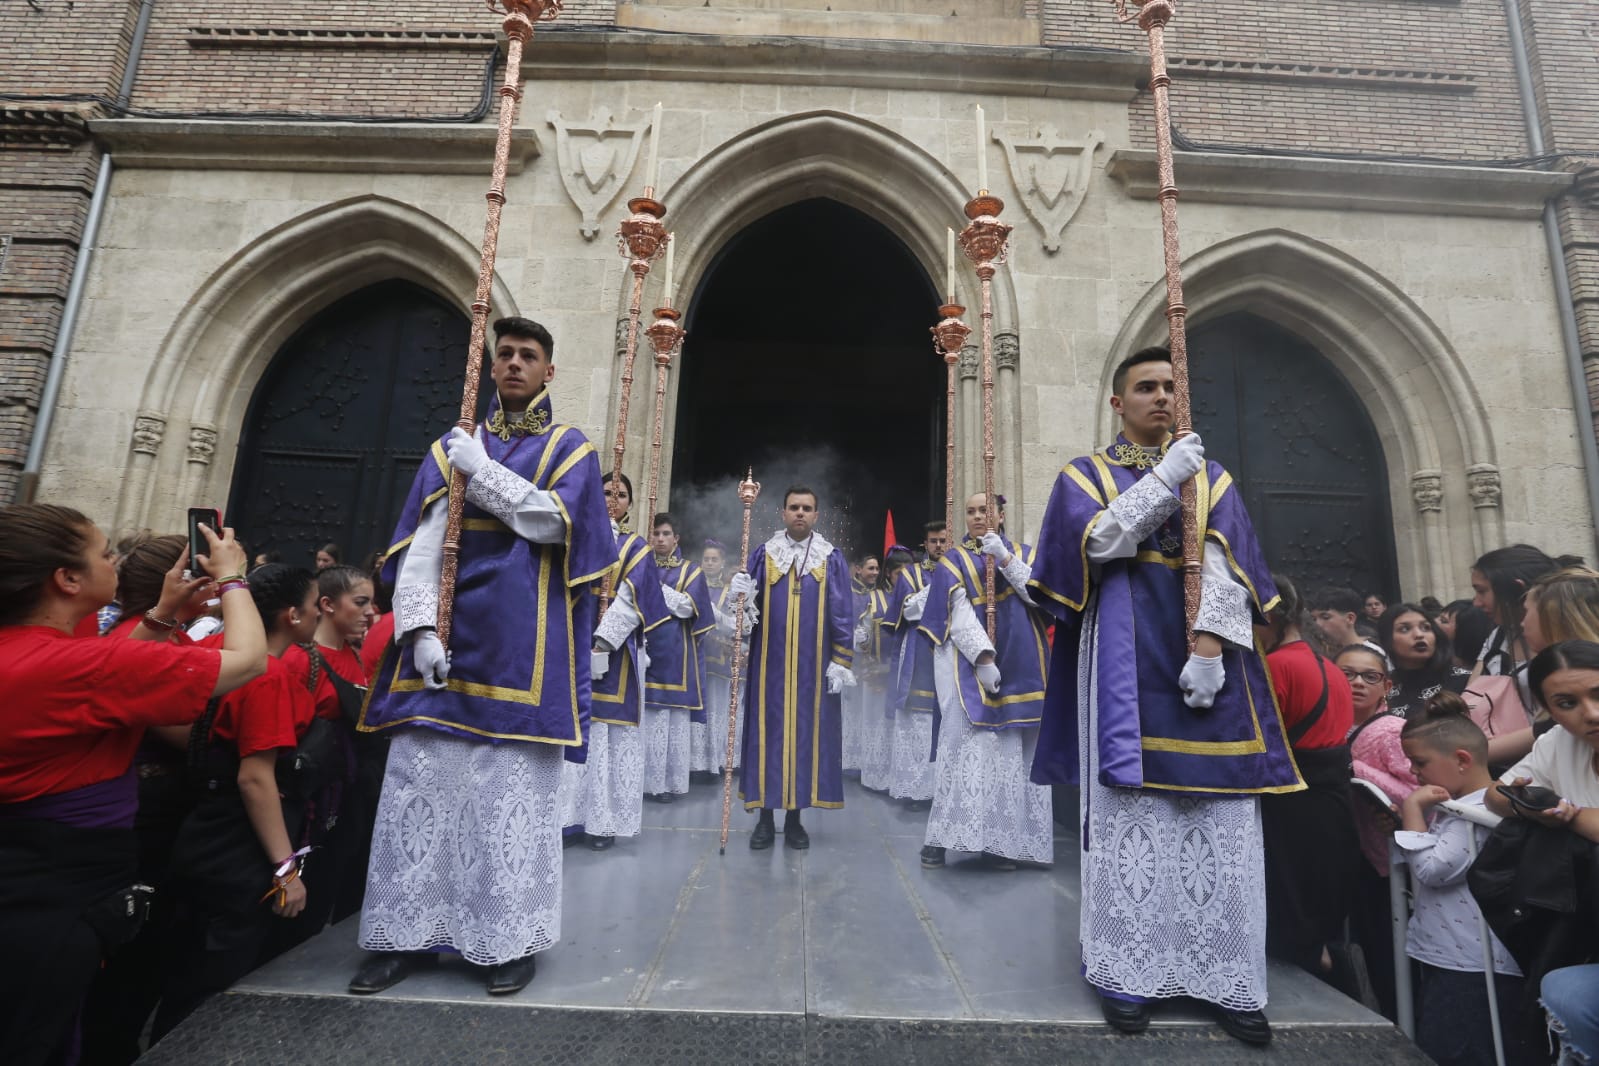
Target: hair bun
1446,704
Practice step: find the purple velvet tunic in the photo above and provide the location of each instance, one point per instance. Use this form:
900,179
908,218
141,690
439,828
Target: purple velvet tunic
1021,644
793,732
675,679
1148,737
616,695
519,650
913,673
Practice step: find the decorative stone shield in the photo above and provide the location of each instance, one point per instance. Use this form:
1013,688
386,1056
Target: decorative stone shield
1051,173
594,160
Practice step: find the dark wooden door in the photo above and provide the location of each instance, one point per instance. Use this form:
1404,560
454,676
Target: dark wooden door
1299,442
338,423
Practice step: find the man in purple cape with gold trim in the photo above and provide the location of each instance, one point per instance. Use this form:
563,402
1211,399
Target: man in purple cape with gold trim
466,852
1172,749
674,685
801,651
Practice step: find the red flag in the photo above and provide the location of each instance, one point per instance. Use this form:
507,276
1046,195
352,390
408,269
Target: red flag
888,532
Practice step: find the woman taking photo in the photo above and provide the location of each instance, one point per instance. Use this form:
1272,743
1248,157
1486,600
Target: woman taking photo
1423,666
76,710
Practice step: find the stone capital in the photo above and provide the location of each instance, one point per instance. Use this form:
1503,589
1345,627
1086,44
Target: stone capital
1007,351
1427,489
970,361
202,444
1483,483
148,430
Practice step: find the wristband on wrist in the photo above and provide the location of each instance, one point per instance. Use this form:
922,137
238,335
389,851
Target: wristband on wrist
240,576
225,587
157,624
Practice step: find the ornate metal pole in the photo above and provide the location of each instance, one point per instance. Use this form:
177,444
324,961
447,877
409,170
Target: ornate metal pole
984,241
640,239
949,337
666,337
748,490
1152,18
520,15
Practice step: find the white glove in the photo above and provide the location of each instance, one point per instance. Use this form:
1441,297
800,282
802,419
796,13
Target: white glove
681,604
643,658
430,659
464,452
1201,679
987,676
1183,460
742,584
599,665
838,679
863,637
994,546
915,604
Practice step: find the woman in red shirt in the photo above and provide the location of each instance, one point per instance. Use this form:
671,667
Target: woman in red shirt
1312,850
75,711
251,821
346,606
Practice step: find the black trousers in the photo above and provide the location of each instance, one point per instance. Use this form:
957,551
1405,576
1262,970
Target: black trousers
1312,855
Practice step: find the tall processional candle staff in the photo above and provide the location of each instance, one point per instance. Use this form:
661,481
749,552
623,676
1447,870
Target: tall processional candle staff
1152,17
666,337
640,239
984,240
949,337
748,490
520,15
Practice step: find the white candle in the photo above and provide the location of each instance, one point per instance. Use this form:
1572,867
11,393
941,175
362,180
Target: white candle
654,169
949,266
671,246
982,152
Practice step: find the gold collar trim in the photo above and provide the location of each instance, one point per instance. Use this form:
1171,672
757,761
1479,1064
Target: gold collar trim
534,422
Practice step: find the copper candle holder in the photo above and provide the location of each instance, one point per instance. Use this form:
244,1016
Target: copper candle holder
985,240
949,338
666,337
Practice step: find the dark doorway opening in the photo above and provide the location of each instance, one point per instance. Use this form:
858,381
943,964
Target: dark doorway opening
341,419
1300,443
808,357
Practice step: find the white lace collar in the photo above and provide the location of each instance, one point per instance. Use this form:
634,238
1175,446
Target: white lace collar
812,552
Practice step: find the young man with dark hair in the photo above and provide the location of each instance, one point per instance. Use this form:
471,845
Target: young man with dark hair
990,691
1336,613
1173,747
801,651
485,726
674,685
609,788
912,698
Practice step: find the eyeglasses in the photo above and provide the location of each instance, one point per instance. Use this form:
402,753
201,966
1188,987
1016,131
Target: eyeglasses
1370,677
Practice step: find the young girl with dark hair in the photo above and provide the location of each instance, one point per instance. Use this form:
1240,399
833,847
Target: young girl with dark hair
76,710
1311,846
1423,665
237,863
1499,583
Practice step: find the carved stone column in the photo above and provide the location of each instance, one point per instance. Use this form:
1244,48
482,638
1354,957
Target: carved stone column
1484,486
149,431
1427,491
1008,426
969,419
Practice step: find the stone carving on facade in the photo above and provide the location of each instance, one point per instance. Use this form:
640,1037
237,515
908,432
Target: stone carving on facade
202,444
1427,489
621,336
148,430
1007,351
1482,482
594,159
1051,173
971,361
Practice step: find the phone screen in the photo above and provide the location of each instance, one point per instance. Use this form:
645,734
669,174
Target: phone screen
197,542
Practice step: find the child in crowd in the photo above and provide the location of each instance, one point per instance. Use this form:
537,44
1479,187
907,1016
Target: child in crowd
1449,756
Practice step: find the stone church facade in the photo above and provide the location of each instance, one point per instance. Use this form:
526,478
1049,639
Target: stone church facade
1356,176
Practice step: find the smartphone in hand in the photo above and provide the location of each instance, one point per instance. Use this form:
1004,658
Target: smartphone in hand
198,545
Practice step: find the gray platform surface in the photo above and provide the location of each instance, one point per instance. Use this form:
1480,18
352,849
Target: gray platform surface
852,931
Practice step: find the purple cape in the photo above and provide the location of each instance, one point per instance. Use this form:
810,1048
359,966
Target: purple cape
913,672
616,695
793,732
519,663
677,657
1021,644
1147,736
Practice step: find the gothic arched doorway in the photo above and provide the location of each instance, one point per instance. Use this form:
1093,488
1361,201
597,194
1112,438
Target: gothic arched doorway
1301,445
808,356
341,418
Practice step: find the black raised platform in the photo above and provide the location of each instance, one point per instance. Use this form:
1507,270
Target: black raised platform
847,953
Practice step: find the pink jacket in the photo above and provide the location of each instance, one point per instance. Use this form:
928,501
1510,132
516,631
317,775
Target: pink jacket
1378,758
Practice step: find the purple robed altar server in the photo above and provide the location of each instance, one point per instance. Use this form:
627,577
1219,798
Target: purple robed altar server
912,687
616,695
675,678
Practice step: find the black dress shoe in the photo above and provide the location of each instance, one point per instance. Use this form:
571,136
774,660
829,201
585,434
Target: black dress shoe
509,977
600,843
918,805
765,833
384,969
932,857
1125,1016
794,834
572,840
1250,1026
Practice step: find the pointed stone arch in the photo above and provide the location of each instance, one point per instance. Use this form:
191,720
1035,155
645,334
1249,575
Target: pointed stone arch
202,377
842,157
1425,407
